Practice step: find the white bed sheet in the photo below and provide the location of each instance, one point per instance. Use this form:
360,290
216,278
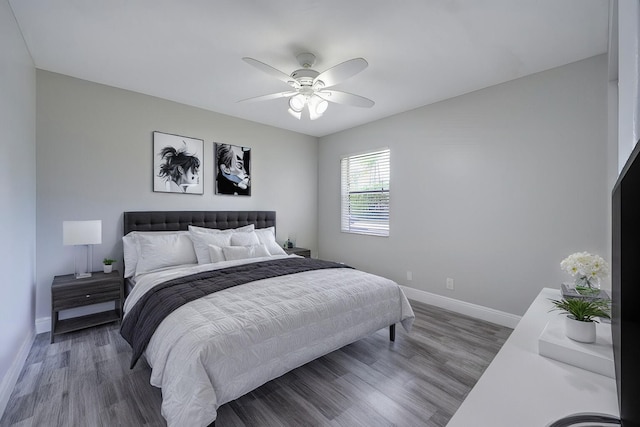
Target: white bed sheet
219,347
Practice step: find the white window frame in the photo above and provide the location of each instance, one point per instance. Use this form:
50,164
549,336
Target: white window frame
358,180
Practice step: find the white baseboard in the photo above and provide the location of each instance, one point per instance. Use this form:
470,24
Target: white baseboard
473,310
11,377
43,324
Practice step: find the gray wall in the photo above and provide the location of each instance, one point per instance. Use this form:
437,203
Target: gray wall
94,161
18,195
492,189
628,68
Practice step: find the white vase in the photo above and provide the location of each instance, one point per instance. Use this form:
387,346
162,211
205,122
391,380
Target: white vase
580,331
107,268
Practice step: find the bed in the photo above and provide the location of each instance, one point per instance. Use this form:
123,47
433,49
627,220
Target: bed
269,312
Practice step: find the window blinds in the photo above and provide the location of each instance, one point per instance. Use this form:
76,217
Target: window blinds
365,193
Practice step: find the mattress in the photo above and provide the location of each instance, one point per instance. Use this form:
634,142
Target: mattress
217,348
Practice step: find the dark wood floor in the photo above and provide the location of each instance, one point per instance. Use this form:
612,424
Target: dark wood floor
420,380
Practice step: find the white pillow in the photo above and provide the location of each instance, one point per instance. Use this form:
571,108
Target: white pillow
129,246
160,251
132,248
244,228
243,252
215,252
267,236
201,242
244,239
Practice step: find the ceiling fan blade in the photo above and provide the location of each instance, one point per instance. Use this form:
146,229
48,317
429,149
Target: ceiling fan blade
340,97
271,71
341,72
270,96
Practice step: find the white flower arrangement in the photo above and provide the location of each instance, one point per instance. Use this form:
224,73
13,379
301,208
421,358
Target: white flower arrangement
586,267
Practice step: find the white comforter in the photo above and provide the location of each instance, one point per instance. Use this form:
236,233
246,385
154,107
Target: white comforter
219,347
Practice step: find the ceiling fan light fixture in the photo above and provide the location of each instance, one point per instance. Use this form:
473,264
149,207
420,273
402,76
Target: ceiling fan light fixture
317,106
297,102
322,106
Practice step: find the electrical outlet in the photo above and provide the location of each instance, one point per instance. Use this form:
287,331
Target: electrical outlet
449,283
409,276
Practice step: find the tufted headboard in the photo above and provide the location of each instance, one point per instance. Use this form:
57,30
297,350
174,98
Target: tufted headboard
181,220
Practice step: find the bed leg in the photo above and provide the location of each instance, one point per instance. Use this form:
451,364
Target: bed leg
392,332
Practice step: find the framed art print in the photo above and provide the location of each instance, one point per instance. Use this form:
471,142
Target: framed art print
177,164
233,169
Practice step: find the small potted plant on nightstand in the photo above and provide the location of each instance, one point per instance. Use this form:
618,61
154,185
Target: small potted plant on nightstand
107,265
580,323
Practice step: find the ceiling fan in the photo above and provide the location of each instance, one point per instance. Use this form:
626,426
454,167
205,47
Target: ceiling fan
310,90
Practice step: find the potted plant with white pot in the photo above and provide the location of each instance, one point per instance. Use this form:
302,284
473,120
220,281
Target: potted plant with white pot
580,323
107,265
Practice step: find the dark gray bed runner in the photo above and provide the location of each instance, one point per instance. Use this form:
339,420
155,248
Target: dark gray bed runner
142,320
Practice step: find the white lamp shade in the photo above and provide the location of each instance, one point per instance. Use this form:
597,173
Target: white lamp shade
82,232
296,103
322,107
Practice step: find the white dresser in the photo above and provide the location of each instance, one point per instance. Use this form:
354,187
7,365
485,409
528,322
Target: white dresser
522,388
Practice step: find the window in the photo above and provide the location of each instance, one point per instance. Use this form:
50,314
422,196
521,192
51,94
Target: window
365,193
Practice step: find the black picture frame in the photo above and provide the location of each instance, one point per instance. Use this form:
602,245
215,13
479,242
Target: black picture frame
177,164
232,170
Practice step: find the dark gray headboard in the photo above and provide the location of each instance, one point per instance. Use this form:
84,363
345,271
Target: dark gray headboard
181,220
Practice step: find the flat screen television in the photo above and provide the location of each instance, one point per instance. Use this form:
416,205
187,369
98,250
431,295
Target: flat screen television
625,287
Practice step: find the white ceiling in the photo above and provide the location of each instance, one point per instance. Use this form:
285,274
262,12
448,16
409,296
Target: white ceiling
419,51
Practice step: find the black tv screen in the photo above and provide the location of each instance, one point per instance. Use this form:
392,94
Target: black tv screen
625,287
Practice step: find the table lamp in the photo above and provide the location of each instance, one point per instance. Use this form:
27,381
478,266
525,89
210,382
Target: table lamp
78,234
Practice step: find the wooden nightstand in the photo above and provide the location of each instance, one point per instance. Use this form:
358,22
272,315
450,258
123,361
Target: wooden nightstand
68,292
298,251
